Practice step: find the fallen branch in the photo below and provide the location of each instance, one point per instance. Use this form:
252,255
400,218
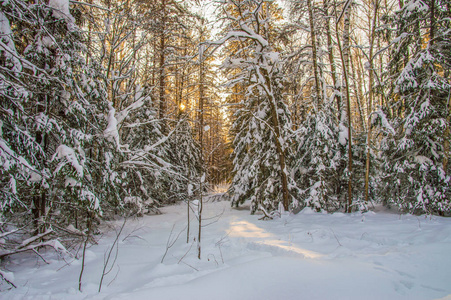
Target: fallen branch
34,238
55,244
6,279
43,259
5,234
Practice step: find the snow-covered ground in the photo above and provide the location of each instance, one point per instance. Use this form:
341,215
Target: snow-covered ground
376,255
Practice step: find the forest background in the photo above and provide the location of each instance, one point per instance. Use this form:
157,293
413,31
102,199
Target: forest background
120,107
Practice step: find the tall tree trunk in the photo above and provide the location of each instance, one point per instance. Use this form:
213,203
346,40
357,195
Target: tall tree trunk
344,53
432,23
357,83
370,101
314,52
330,48
446,136
162,87
201,138
381,68
201,79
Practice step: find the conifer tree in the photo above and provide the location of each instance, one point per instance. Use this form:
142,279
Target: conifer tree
262,144
416,151
53,98
319,161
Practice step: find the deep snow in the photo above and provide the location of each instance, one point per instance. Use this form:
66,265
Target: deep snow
376,255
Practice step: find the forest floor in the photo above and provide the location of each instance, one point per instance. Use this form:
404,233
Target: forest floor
375,255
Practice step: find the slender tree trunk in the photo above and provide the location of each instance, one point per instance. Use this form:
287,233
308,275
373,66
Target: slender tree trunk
88,41
154,63
432,22
447,133
162,87
314,52
381,68
201,138
188,218
344,53
330,47
357,82
446,137
89,226
295,112
370,100
201,203
40,201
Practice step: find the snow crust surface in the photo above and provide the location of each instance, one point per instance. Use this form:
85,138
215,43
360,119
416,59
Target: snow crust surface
375,255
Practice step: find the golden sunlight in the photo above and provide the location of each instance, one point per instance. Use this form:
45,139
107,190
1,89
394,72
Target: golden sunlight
263,238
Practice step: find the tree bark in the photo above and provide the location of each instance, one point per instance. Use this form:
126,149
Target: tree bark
344,53
201,138
446,137
162,83
358,84
330,47
314,52
370,101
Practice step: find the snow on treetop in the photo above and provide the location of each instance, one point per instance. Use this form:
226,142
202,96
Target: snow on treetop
413,5
67,153
61,10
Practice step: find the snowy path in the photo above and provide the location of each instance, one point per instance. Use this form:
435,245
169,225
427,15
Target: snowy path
306,256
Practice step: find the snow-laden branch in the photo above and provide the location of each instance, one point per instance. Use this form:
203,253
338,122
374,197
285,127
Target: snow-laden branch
90,4
247,33
28,245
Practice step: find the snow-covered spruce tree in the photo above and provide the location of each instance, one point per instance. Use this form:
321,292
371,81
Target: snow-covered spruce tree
262,143
134,131
322,135
18,146
416,152
320,161
183,153
51,103
156,168
186,156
